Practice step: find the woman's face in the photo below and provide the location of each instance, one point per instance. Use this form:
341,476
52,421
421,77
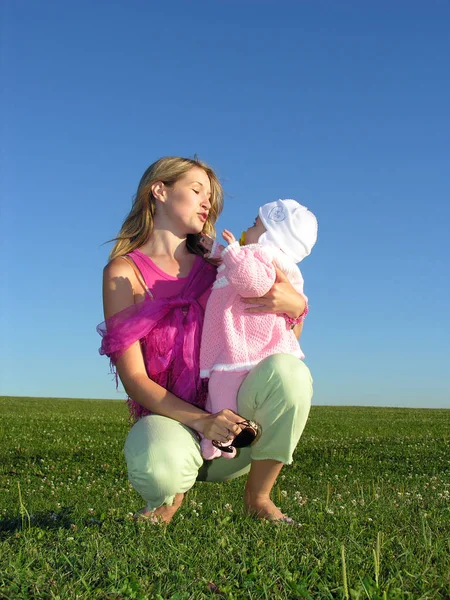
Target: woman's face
186,204
254,232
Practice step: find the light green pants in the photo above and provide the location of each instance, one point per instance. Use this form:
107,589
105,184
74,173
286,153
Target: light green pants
163,456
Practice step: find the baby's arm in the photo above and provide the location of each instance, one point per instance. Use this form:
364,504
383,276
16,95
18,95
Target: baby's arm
250,271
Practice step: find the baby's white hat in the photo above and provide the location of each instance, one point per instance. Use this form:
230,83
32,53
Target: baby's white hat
290,226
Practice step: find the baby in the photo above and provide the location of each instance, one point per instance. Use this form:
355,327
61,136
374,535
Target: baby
234,341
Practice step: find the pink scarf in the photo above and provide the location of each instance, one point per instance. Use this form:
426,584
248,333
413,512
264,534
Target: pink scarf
169,330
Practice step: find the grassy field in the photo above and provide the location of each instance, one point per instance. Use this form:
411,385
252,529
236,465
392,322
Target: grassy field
369,486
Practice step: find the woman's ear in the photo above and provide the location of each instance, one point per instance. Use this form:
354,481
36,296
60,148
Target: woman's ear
159,191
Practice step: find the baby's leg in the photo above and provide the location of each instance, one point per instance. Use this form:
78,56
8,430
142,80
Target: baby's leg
223,388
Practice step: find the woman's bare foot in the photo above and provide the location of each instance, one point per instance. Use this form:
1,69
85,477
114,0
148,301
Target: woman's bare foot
162,514
260,481
263,508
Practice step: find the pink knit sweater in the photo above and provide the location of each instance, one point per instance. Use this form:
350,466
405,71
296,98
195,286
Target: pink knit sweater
232,339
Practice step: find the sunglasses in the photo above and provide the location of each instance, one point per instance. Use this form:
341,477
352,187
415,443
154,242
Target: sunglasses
250,432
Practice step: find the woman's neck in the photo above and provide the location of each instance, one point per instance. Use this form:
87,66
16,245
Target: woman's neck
163,243
169,253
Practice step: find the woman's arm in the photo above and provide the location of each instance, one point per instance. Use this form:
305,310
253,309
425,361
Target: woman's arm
298,330
120,290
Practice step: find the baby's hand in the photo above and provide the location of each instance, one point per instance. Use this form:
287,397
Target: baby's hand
228,236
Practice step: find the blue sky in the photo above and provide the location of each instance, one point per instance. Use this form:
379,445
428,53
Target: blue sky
344,106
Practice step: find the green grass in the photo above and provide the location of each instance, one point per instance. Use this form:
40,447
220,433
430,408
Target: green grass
370,487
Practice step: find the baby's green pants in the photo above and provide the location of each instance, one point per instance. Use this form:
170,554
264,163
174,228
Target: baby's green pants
163,456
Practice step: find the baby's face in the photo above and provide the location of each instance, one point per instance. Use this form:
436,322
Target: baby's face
254,232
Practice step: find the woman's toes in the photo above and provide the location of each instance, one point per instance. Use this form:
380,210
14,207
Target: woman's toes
264,510
147,515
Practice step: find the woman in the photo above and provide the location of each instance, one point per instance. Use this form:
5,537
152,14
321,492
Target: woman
155,289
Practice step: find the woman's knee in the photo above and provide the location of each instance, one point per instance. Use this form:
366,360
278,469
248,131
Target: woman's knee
158,477
282,391
291,378
279,385
150,475
160,466
288,366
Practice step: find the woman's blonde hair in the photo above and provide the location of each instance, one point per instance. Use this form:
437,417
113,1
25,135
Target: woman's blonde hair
138,225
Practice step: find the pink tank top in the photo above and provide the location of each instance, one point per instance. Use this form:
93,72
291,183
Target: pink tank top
160,283
168,324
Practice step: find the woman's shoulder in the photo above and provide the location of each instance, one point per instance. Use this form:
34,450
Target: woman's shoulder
120,286
117,265
119,268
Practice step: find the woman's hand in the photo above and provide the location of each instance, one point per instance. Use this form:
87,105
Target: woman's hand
222,426
281,298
